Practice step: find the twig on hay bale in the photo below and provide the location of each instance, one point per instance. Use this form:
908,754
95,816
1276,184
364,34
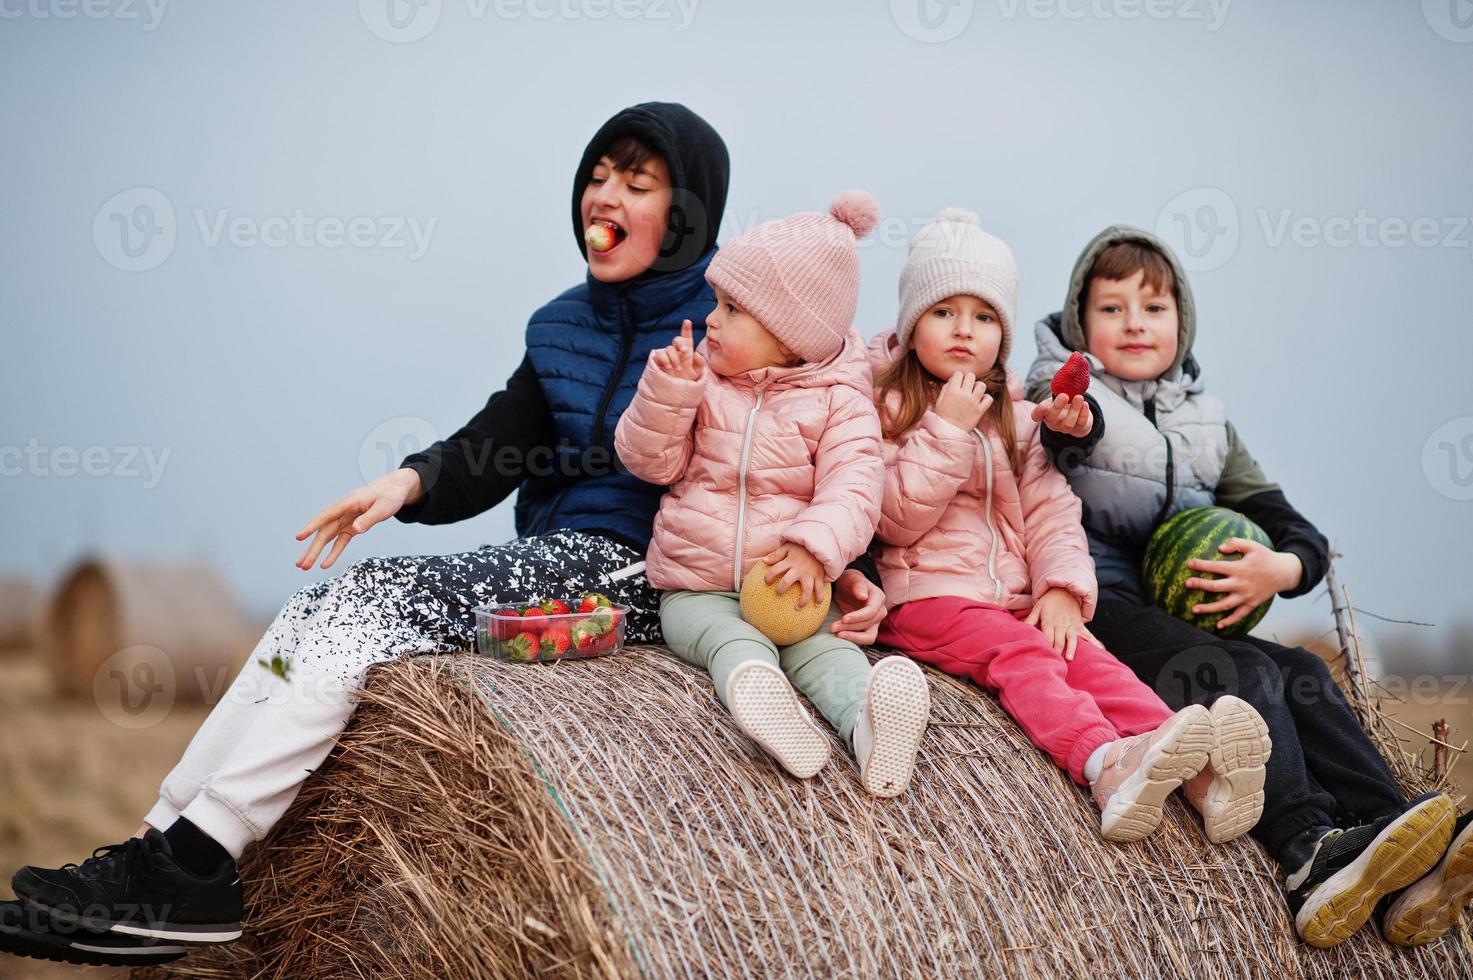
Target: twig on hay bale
606,819
1415,775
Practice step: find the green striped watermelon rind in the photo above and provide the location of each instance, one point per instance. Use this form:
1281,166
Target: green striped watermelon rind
1187,535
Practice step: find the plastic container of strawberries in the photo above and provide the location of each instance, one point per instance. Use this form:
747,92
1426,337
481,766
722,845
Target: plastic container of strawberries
537,630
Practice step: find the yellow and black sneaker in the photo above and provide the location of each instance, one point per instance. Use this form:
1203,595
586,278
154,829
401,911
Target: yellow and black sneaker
28,931
1353,869
1433,905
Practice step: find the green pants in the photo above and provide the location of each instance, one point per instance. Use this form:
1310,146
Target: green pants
706,630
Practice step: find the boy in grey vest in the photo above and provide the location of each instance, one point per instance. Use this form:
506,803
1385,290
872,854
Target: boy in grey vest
1333,816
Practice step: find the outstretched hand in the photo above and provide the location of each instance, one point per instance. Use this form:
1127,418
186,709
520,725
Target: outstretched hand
356,512
1069,416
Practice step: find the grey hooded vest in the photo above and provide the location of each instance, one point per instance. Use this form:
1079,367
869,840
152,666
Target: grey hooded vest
1165,441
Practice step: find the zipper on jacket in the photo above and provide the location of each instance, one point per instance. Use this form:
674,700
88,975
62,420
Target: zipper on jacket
1150,406
626,324
987,515
741,521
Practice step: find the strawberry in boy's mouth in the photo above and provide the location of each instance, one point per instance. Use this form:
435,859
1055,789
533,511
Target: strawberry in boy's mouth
604,235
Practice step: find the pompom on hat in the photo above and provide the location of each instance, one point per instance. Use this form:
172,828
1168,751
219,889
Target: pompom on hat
799,275
953,256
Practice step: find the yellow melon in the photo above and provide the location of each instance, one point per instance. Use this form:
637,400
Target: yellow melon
774,614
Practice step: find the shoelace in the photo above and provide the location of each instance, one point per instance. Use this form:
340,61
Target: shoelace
106,862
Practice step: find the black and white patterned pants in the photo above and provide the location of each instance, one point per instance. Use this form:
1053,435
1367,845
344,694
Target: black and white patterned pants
248,760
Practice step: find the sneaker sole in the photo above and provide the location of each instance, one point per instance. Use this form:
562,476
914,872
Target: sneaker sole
1432,906
1134,812
1401,854
899,706
766,708
223,932
1239,759
84,949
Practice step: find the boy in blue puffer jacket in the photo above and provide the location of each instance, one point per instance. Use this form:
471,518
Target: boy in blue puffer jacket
649,192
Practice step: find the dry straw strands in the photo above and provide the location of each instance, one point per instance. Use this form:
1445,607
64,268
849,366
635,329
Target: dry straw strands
606,819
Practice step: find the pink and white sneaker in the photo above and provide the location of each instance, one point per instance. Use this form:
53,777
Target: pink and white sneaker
1229,792
1141,771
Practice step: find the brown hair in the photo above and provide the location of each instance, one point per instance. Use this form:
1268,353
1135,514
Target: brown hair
1123,260
628,153
918,389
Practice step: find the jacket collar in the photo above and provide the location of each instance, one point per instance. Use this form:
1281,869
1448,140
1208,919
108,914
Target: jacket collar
650,300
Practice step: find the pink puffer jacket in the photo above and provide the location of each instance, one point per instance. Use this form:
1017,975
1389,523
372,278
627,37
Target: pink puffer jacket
773,455
946,530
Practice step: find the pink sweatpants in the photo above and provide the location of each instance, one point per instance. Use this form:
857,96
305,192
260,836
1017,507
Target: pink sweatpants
1067,708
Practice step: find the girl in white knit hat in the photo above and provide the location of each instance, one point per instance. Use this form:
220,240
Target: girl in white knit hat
983,556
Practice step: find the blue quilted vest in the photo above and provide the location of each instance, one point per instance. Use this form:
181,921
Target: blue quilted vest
589,347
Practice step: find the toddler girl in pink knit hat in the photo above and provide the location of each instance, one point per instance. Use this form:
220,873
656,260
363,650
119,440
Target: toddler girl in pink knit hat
768,436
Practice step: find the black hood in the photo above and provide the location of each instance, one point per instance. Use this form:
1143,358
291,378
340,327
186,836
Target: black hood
699,172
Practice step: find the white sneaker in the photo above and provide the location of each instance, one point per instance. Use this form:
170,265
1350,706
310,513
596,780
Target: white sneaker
765,707
1229,792
892,719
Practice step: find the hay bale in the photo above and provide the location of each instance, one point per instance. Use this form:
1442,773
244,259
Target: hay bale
606,819
20,614
178,622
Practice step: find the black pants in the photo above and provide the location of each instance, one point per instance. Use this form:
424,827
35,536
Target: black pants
1324,771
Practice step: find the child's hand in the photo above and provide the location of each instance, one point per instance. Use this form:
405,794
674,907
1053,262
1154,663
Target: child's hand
356,512
791,563
963,400
1249,582
863,604
1070,416
1057,614
680,358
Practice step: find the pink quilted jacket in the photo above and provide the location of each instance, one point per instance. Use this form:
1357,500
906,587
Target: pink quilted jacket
773,455
946,529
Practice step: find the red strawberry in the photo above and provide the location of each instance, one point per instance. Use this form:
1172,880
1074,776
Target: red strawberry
585,638
503,625
555,642
522,647
600,238
555,607
1073,377
592,600
534,619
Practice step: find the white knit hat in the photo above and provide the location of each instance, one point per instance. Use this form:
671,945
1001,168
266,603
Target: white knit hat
953,256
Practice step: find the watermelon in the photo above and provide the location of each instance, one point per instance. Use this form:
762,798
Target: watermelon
1196,533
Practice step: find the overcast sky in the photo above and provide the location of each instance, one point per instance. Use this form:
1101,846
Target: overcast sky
250,254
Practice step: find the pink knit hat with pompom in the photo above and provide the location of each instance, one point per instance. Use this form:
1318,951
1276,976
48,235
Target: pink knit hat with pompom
799,275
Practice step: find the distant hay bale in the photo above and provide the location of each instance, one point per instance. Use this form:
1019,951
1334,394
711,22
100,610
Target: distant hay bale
607,819
181,619
20,614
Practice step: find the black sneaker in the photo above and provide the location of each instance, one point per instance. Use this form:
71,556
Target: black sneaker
137,889
1352,869
1433,905
27,931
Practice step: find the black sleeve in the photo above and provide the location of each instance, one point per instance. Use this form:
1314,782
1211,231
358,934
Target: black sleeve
1067,452
484,461
1290,531
865,565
